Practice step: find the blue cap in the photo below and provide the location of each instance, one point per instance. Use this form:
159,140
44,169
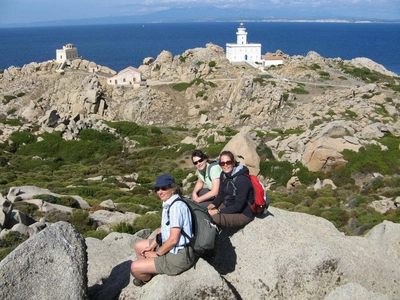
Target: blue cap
164,180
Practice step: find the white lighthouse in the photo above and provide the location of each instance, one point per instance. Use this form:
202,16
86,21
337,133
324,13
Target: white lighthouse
242,50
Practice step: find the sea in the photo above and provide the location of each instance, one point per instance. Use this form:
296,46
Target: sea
119,46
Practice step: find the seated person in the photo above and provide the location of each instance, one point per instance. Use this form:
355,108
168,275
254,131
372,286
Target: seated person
208,175
174,255
231,207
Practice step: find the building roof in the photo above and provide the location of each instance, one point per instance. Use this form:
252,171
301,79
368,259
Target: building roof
269,57
128,69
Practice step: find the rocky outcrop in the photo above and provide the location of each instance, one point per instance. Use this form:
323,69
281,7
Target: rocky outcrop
50,265
296,256
225,96
320,149
244,148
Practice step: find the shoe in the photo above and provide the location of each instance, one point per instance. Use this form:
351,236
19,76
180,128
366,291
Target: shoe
137,282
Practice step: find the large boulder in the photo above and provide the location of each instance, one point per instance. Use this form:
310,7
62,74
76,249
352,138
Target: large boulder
50,265
282,255
297,256
244,149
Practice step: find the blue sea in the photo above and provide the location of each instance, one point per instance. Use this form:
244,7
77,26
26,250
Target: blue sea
120,46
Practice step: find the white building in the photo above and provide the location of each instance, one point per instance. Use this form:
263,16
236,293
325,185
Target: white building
242,50
127,76
270,60
68,52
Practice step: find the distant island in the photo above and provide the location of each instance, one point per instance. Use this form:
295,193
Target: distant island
201,14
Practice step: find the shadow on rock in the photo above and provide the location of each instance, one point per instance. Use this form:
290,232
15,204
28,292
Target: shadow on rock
112,285
225,259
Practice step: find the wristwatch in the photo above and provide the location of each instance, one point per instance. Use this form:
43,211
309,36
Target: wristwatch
157,253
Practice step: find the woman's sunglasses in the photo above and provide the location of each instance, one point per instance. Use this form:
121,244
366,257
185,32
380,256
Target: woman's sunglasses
163,188
199,161
227,163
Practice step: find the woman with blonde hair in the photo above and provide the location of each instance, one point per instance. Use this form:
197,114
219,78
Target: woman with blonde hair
172,253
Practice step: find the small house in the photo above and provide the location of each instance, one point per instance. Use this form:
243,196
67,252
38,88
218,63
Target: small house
129,76
270,60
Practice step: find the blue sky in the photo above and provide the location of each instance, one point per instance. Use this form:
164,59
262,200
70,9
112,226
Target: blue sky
27,11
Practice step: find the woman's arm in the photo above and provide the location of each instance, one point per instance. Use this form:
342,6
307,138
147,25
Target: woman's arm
212,193
199,185
220,196
174,235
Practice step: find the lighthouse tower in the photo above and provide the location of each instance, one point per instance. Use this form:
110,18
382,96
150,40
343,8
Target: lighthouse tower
241,35
243,51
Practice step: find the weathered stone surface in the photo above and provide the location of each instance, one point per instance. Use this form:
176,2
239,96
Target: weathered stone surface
201,282
352,291
104,217
49,265
244,149
307,258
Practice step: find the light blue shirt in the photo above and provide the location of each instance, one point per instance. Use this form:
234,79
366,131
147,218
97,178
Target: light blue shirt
179,216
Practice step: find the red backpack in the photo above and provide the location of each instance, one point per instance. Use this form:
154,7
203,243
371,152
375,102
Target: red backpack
261,201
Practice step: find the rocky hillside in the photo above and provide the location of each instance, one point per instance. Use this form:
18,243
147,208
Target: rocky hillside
301,116
302,91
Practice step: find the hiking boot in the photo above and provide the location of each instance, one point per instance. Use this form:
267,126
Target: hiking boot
137,282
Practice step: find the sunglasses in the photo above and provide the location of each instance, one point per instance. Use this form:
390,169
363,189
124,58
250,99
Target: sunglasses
163,188
199,161
225,163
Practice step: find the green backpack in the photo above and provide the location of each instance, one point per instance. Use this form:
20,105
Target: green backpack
205,231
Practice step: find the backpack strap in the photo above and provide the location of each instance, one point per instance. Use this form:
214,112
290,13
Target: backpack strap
191,213
211,165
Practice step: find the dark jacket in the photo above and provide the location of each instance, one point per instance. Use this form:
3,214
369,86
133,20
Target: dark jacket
235,192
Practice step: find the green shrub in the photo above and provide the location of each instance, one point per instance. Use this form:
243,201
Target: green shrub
12,239
200,94
21,94
9,242
55,215
11,122
212,64
315,67
324,74
337,216
8,98
351,114
183,86
148,221
331,112
280,171
299,91
81,221
284,205
28,209
203,112
97,234
12,111
69,201
123,228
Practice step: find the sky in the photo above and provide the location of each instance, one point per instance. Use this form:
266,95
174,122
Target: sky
28,11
